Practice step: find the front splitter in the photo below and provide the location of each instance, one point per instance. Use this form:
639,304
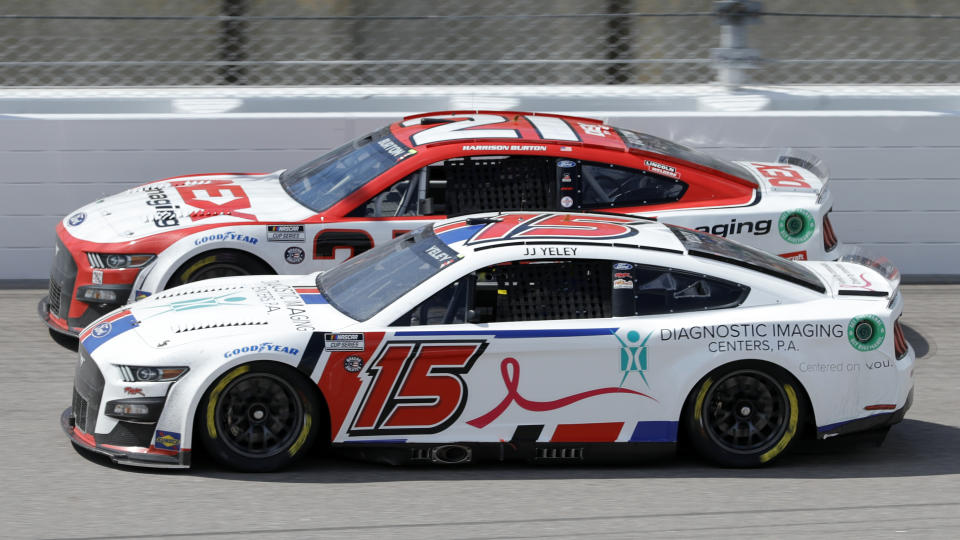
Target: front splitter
136,457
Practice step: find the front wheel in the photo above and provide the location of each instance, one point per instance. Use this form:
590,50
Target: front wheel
744,416
218,264
259,417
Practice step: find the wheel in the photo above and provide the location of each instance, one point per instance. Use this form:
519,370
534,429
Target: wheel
260,417
744,416
218,264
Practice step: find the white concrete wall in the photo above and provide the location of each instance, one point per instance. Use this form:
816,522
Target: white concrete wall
895,174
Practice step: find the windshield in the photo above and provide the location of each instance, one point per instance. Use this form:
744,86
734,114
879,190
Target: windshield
369,282
649,143
320,184
715,247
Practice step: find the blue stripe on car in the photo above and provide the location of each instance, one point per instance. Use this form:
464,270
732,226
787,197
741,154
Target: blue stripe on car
655,431
458,235
111,330
510,334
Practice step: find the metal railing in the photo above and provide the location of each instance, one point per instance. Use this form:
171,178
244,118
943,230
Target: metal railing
473,42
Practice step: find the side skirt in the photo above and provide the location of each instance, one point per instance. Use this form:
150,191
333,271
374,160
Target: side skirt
400,453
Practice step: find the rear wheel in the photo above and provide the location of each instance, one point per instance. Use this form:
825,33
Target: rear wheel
260,417
218,264
744,416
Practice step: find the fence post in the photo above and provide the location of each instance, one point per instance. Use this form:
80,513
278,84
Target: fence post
618,42
733,57
233,41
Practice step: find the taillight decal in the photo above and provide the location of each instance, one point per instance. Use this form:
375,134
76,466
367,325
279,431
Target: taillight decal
829,236
899,341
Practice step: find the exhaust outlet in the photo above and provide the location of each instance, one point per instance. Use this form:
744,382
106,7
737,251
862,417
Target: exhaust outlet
451,454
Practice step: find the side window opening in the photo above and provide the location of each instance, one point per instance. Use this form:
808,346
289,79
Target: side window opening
447,306
394,201
520,291
545,290
488,183
571,289
662,290
467,185
697,289
606,186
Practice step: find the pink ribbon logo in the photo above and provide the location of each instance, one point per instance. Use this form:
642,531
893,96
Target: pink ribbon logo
510,370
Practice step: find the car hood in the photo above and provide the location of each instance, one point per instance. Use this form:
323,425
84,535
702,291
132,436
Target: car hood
233,307
185,203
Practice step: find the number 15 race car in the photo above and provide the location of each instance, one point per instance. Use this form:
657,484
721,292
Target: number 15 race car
524,335
409,174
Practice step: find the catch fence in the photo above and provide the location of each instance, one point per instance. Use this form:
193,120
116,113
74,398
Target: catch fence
476,42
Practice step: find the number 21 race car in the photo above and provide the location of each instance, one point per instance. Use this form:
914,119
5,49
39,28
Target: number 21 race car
408,174
541,336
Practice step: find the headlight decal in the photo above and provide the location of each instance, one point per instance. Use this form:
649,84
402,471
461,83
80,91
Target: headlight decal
118,261
135,374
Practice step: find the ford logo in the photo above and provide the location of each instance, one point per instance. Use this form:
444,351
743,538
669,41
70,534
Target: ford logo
102,330
77,219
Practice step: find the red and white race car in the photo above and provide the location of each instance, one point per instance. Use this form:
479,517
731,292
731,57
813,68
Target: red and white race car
408,174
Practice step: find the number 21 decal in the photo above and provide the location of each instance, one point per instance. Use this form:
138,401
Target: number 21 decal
458,129
415,387
464,126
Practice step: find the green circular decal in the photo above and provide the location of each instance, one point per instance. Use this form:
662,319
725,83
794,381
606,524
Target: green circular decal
866,332
797,226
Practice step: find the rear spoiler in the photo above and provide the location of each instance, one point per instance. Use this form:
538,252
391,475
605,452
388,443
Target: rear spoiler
808,161
881,264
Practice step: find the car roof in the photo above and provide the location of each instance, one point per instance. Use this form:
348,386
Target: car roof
524,132
497,229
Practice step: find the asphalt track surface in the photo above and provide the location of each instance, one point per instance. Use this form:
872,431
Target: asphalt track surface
907,488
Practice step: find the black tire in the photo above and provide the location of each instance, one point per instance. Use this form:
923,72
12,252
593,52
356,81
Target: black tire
216,264
744,415
260,417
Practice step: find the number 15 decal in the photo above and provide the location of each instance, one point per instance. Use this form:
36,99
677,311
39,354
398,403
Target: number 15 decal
559,226
416,387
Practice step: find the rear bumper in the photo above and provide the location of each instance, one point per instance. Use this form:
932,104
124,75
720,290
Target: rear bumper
123,455
870,423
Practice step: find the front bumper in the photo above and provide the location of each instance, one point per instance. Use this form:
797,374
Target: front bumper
43,311
62,310
123,455
72,326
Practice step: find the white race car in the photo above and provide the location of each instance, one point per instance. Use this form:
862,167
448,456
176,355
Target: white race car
521,335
